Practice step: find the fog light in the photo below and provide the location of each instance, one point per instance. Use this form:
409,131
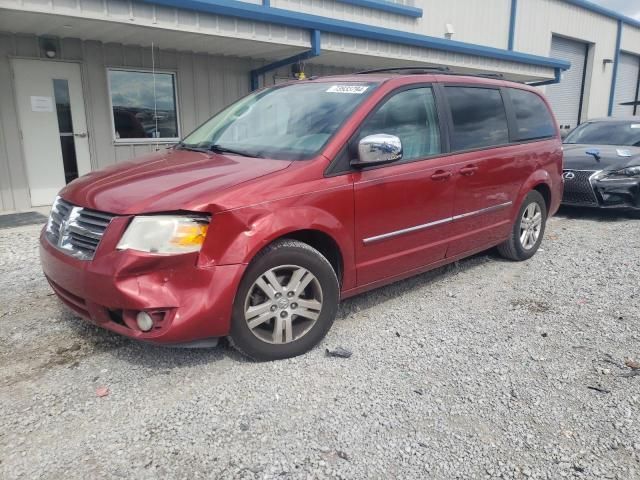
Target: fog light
144,321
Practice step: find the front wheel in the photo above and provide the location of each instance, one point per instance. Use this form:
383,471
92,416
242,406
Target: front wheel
528,229
286,302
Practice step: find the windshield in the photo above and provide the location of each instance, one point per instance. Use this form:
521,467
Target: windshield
291,122
607,133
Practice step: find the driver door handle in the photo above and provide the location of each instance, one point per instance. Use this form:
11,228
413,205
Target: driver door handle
468,170
80,135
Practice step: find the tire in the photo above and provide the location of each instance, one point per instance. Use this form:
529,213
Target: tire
269,324
514,248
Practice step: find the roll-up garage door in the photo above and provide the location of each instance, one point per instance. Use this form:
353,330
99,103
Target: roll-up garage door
626,85
566,96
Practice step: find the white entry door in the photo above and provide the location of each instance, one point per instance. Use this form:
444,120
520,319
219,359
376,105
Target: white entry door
53,125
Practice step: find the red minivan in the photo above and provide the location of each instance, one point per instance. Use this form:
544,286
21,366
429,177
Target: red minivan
258,223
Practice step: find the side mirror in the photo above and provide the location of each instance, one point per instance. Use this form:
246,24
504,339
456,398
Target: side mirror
377,149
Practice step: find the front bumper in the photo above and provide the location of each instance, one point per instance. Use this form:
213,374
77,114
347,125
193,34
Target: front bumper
188,302
587,189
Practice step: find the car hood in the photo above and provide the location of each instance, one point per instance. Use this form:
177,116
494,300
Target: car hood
166,181
611,157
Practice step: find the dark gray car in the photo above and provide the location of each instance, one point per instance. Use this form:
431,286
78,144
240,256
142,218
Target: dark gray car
602,164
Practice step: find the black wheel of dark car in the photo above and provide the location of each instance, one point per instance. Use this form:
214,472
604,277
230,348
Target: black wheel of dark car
286,302
528,229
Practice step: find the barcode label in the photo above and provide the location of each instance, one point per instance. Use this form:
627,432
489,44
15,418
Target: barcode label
357,89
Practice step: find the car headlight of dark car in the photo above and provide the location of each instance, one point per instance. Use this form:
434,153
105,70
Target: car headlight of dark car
629,171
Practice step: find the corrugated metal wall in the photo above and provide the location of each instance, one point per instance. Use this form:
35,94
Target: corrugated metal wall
13,179
134,14
343,11
205,84
538,20
488,25
387,54
630,41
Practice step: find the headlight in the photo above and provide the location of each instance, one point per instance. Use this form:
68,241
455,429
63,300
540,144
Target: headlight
630,171
165,234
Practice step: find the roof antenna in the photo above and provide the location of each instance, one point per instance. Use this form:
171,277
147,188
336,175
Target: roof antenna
155,102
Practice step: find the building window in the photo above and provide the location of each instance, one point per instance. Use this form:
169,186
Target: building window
479,118
143,105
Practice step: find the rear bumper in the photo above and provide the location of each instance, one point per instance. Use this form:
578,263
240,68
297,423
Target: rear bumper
188,302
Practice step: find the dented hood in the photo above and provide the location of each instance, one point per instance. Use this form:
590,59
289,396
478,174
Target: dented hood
166,181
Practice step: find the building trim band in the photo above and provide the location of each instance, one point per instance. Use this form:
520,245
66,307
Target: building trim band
260,13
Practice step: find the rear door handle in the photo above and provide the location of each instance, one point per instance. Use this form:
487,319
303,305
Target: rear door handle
441,175
468,170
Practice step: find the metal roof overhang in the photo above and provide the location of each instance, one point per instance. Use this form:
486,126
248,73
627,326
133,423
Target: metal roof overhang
262,13
109,31
344,43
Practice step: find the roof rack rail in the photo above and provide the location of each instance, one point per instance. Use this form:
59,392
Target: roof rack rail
440,70
414,70
488,75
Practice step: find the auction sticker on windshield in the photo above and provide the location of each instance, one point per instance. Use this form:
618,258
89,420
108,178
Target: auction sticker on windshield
358,89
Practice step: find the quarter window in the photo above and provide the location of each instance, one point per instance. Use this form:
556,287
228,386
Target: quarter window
479,117
143,105
412,117
533,119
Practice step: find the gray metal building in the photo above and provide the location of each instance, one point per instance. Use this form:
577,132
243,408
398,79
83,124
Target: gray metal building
85,84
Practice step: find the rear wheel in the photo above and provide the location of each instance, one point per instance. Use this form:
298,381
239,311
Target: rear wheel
286,302
528,229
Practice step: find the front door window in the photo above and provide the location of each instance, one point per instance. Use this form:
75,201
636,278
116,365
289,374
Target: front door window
412,117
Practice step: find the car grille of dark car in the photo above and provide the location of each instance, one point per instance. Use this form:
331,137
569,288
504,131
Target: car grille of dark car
75,230
578,189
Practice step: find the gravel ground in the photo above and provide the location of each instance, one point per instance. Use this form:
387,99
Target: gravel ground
483,369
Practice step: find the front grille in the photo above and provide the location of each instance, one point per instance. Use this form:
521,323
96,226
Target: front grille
578,189
75,230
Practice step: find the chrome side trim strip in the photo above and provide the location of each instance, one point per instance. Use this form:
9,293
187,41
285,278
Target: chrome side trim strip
492,208
424,226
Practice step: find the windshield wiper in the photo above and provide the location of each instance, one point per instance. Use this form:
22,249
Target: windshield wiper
220,149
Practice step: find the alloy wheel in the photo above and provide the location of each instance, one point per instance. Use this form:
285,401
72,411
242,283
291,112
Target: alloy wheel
530,226
283,304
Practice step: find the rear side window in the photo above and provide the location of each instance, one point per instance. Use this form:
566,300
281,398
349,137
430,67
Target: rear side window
533,119
479,117
412,117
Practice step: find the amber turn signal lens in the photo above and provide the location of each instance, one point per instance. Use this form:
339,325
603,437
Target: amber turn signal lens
189,235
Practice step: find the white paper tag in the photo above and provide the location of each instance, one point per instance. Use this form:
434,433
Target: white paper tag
41,104
635,125
357,89
623,153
